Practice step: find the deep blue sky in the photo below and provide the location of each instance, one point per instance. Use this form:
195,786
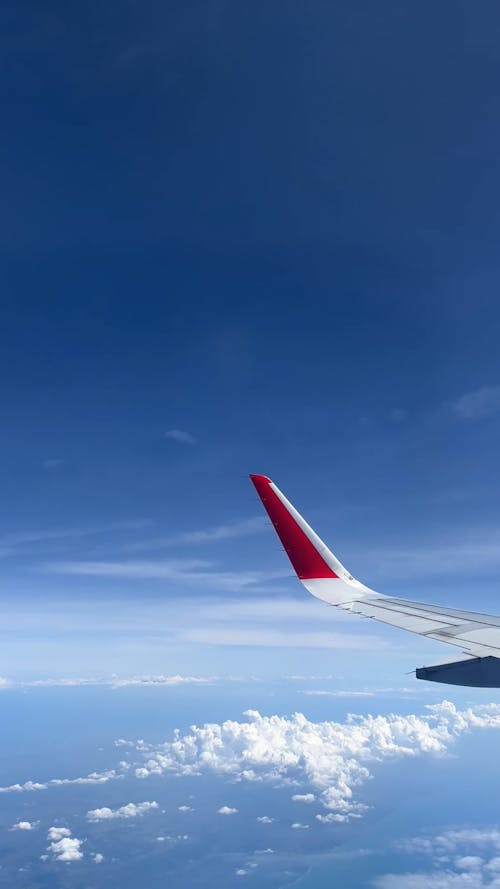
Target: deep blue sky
274,229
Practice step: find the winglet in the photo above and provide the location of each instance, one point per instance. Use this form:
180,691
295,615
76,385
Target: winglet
315,565
309,556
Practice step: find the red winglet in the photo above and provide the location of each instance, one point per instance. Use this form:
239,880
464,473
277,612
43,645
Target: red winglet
305,558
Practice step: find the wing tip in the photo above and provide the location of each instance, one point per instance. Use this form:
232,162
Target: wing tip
303,547
260,481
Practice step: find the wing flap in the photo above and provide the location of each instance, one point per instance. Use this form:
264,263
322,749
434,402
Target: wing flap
466,630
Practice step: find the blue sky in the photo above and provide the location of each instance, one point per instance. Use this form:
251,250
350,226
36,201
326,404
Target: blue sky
240,241
245,238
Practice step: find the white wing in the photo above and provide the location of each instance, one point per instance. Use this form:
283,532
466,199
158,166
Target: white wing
477,635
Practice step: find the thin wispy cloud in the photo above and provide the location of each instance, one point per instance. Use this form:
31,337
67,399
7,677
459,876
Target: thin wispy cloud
466,857
478,404
193,620
181,436
467,875
466,554
53,463
452,841
339,693
192,572
232,531
398,415
35,786
471,551
23,538
115,681
153,615
269,638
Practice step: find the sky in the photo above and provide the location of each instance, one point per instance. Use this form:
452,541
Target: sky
241,238
236,241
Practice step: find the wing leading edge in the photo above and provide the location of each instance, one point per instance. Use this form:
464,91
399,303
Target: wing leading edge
477,635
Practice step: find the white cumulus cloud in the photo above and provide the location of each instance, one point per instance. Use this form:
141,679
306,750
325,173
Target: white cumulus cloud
333,758
130,810
226,810
27,787
25,825
63,846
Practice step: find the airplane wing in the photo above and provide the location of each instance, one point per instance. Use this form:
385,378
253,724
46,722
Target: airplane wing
477,635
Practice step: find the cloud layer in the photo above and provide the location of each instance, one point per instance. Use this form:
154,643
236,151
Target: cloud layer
325,764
